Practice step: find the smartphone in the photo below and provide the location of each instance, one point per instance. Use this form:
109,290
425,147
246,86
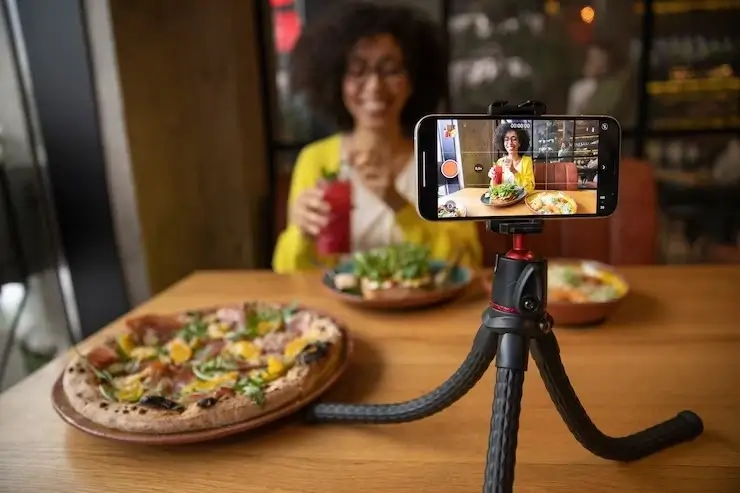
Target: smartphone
477,167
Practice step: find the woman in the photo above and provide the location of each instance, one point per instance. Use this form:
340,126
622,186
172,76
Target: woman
374,71
516,168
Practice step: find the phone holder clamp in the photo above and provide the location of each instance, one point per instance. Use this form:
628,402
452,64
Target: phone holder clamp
515,324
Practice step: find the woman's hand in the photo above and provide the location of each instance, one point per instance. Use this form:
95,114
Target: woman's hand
509,163
491,173
309,212
375,173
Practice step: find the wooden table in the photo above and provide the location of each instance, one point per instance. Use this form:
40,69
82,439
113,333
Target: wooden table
470,198
673,345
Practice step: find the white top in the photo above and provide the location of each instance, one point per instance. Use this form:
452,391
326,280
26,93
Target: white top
508,176
373,223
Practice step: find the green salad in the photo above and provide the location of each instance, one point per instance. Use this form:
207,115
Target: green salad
504,192
398,262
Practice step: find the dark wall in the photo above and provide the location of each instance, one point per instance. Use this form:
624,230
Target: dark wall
61,73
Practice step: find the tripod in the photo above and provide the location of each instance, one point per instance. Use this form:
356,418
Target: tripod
515,324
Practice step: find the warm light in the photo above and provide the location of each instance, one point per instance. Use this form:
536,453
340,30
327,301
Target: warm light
587,15
552,8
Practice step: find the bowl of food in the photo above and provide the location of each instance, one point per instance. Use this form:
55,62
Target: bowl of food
398,276
450,208
580,292
549,202
503,195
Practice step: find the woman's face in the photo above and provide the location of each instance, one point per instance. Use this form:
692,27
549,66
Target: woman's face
511,142
376,87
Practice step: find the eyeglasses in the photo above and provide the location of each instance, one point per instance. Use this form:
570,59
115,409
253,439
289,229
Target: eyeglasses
361,71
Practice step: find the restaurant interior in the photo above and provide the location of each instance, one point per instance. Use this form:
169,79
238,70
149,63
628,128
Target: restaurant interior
143,141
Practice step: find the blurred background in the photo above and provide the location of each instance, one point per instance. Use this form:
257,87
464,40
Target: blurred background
143,139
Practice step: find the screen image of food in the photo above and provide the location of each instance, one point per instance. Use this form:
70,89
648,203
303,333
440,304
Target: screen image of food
517,167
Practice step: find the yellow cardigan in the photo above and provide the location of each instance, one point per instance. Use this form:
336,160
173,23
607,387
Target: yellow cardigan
295,252
525,177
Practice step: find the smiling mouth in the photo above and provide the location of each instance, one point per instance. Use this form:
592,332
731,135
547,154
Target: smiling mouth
374,106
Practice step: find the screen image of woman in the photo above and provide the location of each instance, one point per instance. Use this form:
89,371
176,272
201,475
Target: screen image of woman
515,167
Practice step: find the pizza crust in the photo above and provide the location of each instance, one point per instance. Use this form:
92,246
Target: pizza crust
80,386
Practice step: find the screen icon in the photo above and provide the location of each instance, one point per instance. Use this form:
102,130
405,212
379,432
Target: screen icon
478,168
450,131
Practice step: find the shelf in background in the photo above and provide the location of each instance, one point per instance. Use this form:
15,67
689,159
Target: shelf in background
665,7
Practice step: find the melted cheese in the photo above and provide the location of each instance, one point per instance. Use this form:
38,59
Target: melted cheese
179,350
243,349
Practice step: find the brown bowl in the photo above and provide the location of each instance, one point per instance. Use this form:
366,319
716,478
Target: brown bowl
575,314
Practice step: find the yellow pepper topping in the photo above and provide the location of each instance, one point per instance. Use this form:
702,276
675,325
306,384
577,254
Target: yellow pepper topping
275,366
294,347
130,393
126,343
266,326
244,349
179,351
223,380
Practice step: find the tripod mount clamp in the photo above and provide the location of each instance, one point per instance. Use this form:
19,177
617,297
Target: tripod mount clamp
515,324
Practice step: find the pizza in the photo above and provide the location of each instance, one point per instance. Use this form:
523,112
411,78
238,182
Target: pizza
203,369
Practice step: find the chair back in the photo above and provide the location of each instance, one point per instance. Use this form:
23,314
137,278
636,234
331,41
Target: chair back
556,176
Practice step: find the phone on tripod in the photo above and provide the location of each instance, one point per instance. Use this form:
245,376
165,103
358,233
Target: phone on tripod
483,167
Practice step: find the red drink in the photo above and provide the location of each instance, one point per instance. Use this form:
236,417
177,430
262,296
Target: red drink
335,236
498,174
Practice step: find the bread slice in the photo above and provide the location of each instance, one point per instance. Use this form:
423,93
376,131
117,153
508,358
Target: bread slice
388,290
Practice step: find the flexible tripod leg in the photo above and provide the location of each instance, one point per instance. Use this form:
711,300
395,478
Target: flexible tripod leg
467,375
684,427
511,363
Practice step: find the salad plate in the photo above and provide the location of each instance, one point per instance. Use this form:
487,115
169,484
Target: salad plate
503,195
396,277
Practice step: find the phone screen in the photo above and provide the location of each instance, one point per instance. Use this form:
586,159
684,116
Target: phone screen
479,167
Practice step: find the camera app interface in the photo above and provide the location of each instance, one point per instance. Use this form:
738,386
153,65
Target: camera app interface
492,168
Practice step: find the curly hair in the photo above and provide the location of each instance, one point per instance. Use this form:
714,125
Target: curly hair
521,134
320,57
